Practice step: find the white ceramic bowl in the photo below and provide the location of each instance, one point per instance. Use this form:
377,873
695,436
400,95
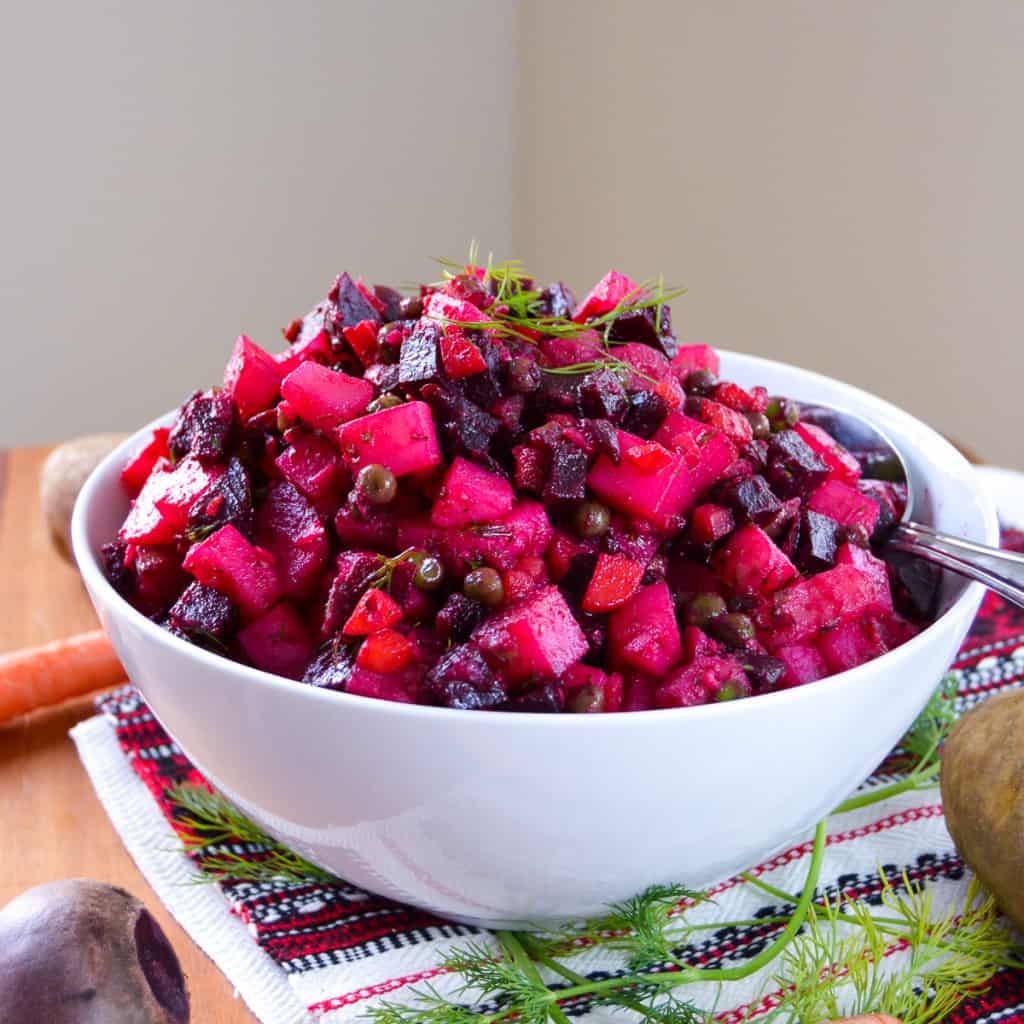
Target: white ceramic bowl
507,818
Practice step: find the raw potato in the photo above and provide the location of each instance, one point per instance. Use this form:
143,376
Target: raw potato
84,952
983,793
62,476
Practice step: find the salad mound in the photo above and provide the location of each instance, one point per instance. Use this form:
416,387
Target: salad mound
488,495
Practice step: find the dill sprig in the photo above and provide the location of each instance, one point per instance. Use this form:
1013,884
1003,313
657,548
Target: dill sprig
517,308
226,846
619,367
838,967
381,578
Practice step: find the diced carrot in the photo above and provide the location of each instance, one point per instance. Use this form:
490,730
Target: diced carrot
375,610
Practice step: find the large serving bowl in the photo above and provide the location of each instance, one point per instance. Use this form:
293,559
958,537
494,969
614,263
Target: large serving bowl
509,818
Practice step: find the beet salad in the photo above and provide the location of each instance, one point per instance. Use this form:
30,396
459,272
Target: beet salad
487,495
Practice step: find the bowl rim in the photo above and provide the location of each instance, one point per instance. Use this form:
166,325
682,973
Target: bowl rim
103,591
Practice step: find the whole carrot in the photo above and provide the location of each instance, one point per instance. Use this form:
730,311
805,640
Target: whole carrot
38,677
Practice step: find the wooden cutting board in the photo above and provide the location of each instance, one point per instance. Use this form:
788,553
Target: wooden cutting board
51,824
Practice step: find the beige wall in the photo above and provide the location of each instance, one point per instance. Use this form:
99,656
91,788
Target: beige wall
838,182
173,174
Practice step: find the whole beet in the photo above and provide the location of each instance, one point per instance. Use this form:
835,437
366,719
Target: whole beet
79,951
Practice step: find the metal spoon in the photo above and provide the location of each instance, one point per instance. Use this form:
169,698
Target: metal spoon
1001,571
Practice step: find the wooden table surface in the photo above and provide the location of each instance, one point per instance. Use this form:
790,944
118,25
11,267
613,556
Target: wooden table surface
51,824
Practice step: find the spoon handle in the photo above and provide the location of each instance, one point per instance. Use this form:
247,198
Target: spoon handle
1001,571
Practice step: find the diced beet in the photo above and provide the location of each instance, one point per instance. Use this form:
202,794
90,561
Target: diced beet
643,634
452,311
244,572
567,474
467,429
278,642
140,464
751,497
207,427
557,300
658,497
915,585
875,570
403,438
804,664
677,426
710,523
314,466
325,398
420,360
159,515
545,699
204,613
625,539
842,465
687,579
227,500
470,494
603,396
116,568
564,553
415,604
376,528
614,288
288,527
374,610
848,645
645,414
314,348
818,541
331,668
390,302
352,304
531,468
704,680
697,644
845,505
891,500
559,352
252,378
894,630
402,686
463,679
537,639
822,601
764,671
694,357
158,579
750,563
363,340
794,468
615,580
638,692
735,397
459,616
733,424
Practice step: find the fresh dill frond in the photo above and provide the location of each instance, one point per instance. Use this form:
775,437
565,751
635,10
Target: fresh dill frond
841,965
226,846
645,919
619,367
933,725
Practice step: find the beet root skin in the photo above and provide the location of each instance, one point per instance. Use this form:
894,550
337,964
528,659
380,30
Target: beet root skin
80,951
